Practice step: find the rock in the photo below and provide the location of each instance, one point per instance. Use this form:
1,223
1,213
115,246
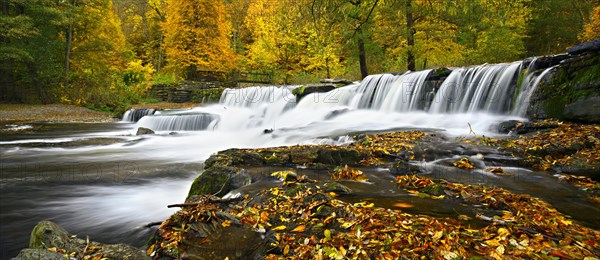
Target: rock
336,81
335,113
312,88
219,180
235,157
333,186
507,126
144,131
584,109
47,234
36,254
121,251
591,46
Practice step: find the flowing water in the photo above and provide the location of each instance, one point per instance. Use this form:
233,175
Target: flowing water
104,181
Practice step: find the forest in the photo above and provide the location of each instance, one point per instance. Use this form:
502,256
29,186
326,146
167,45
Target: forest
104,54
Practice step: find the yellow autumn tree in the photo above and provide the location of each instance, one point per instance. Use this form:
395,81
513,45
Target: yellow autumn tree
592,28
292,39
434,34
197,36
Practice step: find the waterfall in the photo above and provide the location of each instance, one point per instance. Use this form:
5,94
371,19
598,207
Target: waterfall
179,121
267,103
134,115
487,88
528,88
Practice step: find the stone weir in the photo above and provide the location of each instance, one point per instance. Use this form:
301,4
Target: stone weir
190,91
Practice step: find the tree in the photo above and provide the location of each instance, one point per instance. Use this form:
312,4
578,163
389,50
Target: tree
30,53
592,28
197,36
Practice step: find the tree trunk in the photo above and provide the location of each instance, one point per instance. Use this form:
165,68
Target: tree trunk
362,57
68,44
410,36
36,83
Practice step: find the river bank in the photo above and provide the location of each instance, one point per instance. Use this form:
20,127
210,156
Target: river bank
56,113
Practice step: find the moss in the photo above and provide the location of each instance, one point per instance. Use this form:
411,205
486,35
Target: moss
561,89
298,91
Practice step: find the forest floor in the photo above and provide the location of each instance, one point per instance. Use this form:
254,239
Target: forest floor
50,113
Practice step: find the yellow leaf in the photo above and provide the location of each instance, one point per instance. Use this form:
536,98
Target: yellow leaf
492,242
437,236
286,250
500,249
327,234
279,228
503,232
299,228
566,222
226,223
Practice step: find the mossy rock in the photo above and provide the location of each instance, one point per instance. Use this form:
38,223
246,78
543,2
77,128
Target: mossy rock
338,156
219,180
333,186
303,156
235,157
36,254
48,234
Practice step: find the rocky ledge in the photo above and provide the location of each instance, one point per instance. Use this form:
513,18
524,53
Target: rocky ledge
322,214
49,241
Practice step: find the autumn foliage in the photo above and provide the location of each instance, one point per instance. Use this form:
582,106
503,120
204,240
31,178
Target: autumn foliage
197,36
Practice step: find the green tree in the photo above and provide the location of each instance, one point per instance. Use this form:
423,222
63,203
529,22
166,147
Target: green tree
31,49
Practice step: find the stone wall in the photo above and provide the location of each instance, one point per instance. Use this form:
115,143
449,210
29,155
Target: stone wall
190,91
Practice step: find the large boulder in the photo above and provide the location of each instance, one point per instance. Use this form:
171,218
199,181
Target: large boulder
219,180
36,254
47,234
50,241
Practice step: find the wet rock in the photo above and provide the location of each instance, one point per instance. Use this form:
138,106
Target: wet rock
584,109
591,172
144,131
219,180
235,157
507,126
121,251
518,127
335,113
403,167
591,46
36,254
339,156
47,234
301,92
337,81
333,186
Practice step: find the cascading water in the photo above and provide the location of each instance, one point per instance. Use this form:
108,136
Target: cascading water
134,115
486,88
528,88
178,121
